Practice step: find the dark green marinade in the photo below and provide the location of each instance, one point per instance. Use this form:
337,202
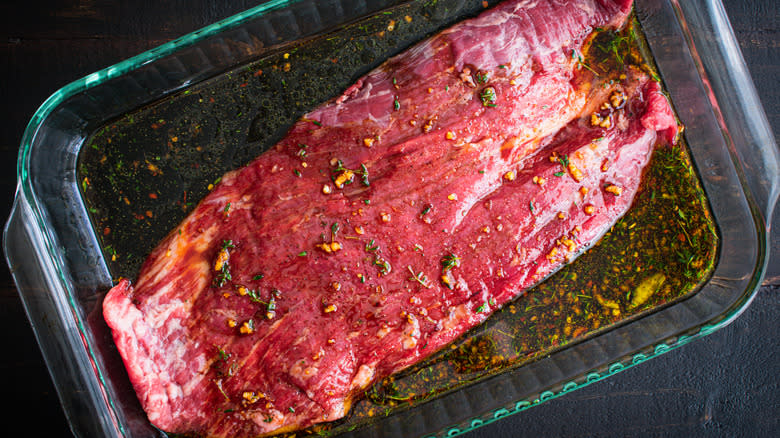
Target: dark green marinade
143,173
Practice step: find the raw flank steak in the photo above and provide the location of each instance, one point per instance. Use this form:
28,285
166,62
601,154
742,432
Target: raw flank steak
438,187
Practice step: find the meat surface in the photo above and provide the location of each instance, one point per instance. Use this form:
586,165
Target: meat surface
388,222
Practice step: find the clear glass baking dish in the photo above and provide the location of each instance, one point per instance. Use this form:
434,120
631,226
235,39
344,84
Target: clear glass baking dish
61,272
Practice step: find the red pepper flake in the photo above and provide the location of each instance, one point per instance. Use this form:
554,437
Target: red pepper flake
258,73
428,126
615,190
589,209
329,247
153,195
247,328
153,168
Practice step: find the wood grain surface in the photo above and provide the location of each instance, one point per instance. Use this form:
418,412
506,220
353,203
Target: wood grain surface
723,385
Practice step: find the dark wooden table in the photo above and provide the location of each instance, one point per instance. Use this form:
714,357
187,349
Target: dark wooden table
723,385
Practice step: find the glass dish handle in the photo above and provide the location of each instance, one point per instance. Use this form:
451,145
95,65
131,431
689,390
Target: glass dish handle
39,287
736,105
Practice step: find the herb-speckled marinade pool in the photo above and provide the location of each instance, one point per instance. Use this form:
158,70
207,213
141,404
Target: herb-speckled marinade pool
144,172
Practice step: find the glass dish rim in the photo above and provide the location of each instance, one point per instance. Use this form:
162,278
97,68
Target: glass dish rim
27,193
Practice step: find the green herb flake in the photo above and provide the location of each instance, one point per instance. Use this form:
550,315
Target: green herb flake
384,265
488,97
363,172
418,277
224,273
223,356
580,63
223,276
253,296
364,175
271,306
371,245
450,261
